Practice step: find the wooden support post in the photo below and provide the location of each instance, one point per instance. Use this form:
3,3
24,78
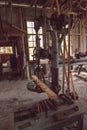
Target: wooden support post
80,46
45,88
68,62
28,72
58,7
69,22
64,69
27,55
73,88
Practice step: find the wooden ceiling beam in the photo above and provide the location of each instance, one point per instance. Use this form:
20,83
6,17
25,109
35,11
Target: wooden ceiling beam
58,7
33,2
52,3
48,3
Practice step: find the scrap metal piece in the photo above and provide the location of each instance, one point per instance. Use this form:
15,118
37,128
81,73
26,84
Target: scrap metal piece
65,114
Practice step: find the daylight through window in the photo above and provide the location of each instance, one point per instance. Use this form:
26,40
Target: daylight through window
31,35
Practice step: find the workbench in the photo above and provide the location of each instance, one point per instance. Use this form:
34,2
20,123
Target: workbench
15,97
18,98
51,122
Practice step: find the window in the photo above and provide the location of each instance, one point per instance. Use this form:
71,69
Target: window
6,50
31,35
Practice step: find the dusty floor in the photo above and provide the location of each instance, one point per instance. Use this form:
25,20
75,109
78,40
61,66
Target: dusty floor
16,92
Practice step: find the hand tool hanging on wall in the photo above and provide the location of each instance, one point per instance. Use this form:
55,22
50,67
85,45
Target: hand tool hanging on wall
73,94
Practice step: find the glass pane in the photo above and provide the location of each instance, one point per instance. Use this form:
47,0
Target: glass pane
76,28
6,50
40,31
30,44
31,53
33,31
30,24
35,44
75,43
34,38
30,38
29,30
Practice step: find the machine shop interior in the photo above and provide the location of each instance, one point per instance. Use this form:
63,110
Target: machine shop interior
43,64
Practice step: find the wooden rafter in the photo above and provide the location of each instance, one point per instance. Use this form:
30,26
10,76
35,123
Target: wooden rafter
58,7
52,4
48,3
19,29
33,2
